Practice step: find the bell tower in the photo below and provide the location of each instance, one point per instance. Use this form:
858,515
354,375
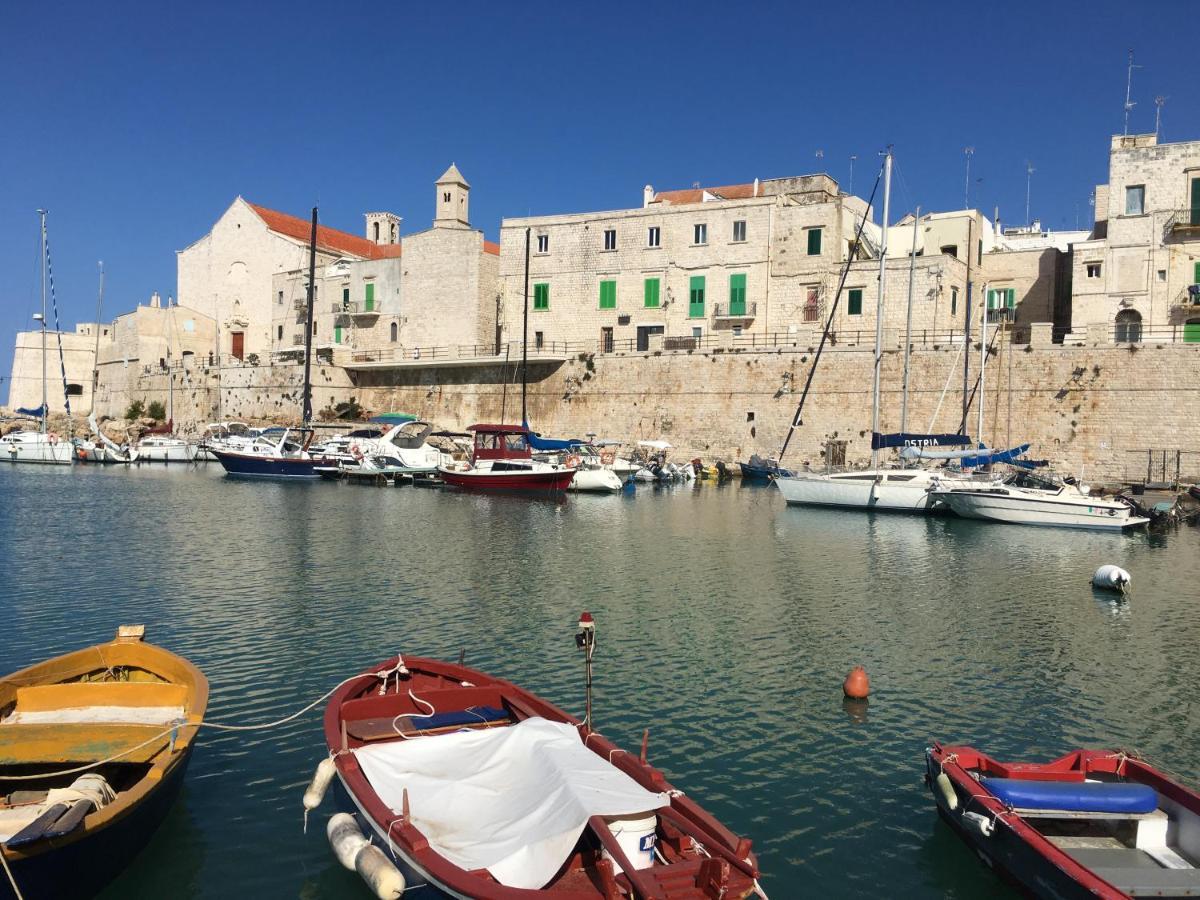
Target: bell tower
453,196
383,227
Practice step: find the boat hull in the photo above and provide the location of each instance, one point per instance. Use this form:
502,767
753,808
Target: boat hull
1014,510
596,481
82,868
550,481
857,493
43,452
761,473
184,453
246,465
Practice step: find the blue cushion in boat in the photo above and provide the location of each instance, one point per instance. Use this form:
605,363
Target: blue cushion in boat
1075,796
471,716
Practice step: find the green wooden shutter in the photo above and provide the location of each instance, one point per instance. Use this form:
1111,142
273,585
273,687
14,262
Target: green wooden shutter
1196,201
814,242
337,334
370,300
345,298
541,296
1012,298
737,294
855,305
651,295
608,295
696,297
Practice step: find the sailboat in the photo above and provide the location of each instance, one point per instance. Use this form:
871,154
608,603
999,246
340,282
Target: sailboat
41,446
274,453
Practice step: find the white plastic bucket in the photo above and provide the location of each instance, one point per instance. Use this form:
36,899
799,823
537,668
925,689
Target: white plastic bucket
636,837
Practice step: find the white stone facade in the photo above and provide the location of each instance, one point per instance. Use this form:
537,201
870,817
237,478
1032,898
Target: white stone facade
1145,253
78,358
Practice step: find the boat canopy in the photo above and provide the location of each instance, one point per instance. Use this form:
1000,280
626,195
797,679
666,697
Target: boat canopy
392,418
655,445
1031,463
35,413
510,800
908,439
989,457
499,429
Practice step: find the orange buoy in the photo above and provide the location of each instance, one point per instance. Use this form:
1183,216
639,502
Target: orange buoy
857,685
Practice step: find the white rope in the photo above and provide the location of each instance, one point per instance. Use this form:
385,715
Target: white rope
946,387
11,879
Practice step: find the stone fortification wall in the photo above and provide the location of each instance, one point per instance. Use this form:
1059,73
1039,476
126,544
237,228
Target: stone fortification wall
1095,410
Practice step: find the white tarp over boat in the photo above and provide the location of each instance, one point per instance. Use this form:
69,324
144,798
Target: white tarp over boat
510,800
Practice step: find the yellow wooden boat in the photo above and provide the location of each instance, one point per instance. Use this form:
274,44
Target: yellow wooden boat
93,749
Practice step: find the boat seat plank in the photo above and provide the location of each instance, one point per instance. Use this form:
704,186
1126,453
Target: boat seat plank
1152,882
1025,813
25,744
76,695
385,728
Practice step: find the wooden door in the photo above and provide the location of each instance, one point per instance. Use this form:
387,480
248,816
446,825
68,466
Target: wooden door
239,343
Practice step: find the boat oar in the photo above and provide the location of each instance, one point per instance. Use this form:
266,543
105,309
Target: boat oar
71,820
36,829
713,844
643,888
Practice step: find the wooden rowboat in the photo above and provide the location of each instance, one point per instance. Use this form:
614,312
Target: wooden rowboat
67,825
1093,823
502,829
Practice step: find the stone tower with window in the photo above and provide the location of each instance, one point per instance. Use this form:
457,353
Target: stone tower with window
453,195
383,227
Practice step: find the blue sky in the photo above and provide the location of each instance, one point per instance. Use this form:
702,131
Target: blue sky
136,124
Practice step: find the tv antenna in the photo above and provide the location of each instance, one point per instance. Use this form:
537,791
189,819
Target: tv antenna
968,152
1159,102
1129,104
1029,170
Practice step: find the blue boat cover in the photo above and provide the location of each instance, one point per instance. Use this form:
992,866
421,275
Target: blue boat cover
1031,463
1074,796
471,716
32,413
908,439
987,457
537,442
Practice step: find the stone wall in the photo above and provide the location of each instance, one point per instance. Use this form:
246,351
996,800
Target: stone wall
25,382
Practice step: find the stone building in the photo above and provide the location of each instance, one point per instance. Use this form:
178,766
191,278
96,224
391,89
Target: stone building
1138,274
78,359
228,274
756,261
434,288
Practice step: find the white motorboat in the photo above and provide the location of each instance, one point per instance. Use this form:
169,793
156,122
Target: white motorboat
166,449
226,436
591,474
36,447
1029,500
894,489
610,458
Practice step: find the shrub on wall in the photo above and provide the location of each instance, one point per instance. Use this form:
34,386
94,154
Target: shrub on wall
135,410
156,411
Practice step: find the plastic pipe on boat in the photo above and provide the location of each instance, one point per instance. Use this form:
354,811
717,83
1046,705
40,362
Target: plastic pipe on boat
345,838
379,873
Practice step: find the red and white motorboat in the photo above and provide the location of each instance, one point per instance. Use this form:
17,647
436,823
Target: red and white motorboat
1093,823
480,789
502,460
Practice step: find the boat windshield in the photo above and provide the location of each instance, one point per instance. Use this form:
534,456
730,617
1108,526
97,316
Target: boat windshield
1032,481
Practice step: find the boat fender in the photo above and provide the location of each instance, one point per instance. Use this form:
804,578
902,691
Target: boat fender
979,823
315,792
1111,578
345,838
947,790
381,876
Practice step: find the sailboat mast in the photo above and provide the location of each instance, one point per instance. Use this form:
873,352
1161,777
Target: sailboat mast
525,331
887,196
306,407
912,267
96,354
45,395
966,401
983,348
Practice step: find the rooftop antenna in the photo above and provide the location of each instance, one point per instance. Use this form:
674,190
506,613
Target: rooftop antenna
1029,170
1129,104
968,152
820,154
1159,101
853,157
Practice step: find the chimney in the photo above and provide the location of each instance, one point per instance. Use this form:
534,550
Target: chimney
647,195
155,300
755,187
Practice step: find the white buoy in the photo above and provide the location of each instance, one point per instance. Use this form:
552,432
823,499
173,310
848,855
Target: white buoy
947,789
1111,578
346,838
979,823
315,792
378,872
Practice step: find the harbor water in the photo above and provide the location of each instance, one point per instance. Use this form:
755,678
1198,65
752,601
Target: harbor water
726,623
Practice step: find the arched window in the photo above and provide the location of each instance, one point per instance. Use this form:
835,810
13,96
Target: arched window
1128,327
395,332
74,390
376,224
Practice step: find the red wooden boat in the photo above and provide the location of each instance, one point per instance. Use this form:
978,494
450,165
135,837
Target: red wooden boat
1093,823
502,460
551,809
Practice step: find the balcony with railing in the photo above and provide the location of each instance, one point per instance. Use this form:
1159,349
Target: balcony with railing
1188,298
354,308
1183,224
742,310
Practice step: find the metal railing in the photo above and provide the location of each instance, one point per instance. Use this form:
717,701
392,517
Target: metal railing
1183,220
1189,296
735,310
354,308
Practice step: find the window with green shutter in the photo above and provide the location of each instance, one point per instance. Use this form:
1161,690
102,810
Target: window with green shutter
608,295
337,334
737,294
370,298
541,296
696,297
814,242
854,307
345,298
651,293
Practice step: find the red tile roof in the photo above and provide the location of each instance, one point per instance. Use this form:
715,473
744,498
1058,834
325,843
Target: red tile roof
696,195
489,247
327,238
